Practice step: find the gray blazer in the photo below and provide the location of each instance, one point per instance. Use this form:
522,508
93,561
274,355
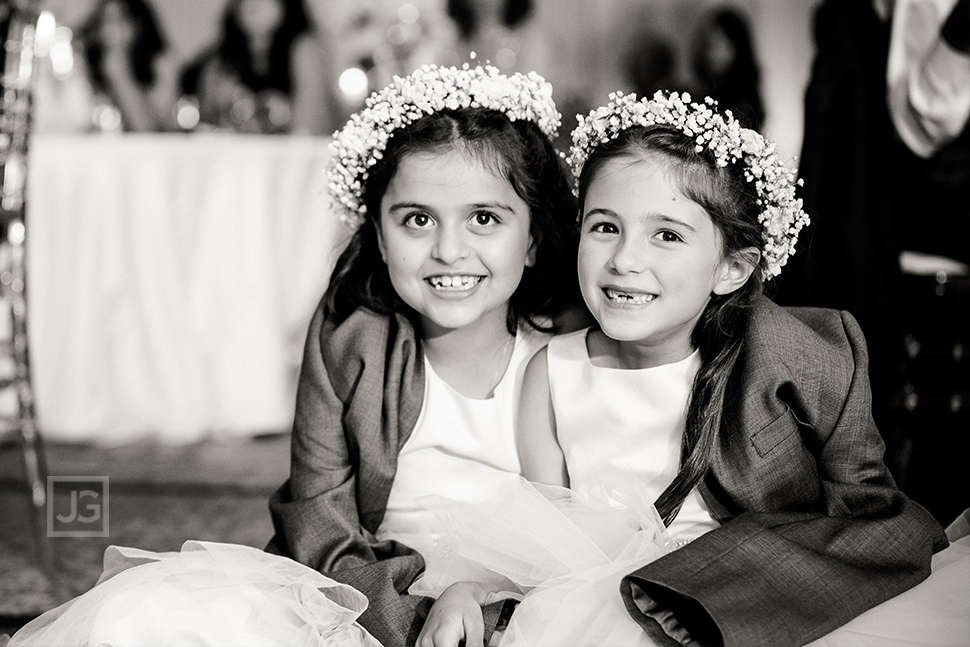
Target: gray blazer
359,396
814,530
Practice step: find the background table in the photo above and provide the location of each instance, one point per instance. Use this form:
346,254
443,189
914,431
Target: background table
171,279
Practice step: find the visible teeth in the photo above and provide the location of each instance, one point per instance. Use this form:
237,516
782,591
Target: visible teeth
624,297
447,282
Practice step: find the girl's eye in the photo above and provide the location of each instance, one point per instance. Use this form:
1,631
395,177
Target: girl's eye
605,228
668,236
484,218
418,220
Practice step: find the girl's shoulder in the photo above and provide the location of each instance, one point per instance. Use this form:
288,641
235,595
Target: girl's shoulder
827,326
569,346
364,333
803,339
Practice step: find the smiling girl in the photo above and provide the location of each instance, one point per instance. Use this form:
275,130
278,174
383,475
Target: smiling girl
746,425
463,253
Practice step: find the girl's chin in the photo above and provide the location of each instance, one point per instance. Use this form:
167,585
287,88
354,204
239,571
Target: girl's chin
624,332
451,318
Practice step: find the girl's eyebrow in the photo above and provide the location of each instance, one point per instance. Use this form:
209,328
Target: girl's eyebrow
500,206
674,221
597,212
397,206
492,205
657,217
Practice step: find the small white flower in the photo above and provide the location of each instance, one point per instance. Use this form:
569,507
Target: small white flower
361,143
724,139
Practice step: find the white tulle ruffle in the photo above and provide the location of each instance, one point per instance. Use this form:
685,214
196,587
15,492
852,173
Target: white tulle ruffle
563,554
206,594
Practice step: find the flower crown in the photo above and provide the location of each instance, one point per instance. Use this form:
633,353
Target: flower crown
431,88
781,212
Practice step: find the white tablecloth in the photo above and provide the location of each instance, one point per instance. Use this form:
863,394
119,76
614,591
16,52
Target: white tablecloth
171,279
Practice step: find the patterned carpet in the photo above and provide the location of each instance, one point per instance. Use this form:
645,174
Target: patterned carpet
159,497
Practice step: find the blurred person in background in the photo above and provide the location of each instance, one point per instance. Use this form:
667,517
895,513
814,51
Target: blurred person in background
886,165
113,73
501,32
651,65
128,64
725,68
268,73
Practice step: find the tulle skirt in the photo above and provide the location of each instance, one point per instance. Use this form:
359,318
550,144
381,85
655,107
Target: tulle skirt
563,554
206,594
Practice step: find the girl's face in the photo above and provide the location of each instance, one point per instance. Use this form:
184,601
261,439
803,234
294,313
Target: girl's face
455,237
649,259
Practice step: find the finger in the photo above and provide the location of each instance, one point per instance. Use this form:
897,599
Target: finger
448,635
429,632
474,625
424,639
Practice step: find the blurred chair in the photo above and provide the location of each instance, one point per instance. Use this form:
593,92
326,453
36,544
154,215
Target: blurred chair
17,419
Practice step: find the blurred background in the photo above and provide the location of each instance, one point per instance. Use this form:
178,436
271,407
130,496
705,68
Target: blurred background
167,235
178,232
586,48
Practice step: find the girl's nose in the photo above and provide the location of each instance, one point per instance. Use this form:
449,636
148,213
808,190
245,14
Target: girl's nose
450,244
629,257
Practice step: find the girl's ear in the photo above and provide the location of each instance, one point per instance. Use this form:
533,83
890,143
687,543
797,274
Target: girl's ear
530,256
734,271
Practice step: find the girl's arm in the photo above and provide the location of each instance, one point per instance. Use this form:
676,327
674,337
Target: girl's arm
539,451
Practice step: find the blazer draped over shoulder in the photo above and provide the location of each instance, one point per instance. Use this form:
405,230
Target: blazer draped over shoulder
359,397
814,530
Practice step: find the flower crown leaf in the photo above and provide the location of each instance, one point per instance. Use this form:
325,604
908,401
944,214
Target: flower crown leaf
431,88
781,217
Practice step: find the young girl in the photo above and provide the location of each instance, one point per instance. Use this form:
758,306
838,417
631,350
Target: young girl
463,252
748,425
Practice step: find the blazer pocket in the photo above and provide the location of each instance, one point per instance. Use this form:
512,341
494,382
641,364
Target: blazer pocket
775,433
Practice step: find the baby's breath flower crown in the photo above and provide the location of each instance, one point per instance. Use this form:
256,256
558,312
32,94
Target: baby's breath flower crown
781,212
429,89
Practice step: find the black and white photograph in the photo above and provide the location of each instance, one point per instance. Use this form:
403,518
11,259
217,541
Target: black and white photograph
485,323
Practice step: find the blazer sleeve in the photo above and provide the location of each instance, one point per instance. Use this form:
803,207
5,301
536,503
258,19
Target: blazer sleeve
790,567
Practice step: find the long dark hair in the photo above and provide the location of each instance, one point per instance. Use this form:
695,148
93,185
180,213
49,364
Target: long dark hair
234,52
148,44
519,152
730,201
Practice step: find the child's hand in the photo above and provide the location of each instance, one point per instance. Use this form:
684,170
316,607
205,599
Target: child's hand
455,616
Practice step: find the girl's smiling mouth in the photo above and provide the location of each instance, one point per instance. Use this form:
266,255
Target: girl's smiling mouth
628,297
454,282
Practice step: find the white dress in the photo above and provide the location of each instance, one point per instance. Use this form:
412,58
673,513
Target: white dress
206,594
458,445
225,594
563,552
461,446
